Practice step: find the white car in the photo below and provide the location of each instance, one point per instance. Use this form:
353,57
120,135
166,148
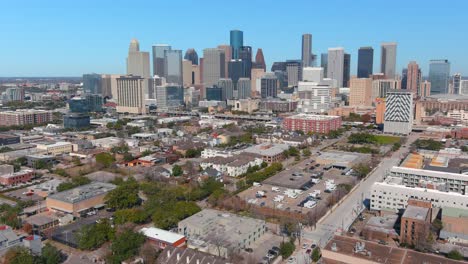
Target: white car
292,260
304,246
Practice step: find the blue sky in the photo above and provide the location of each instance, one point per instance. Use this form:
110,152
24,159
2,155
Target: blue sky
69,38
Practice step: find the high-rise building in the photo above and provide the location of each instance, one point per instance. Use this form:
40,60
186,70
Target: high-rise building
365,62
25,117
169,96
173,66
138,62
306,50
439,74
236,42
463,87
227,57
404,78
14,94
388,59
398,112
255,82
456,83
130,93
187,78
214,93
213,66
336,64
269,85
245,54
227,87
94,102
293,70
78,105
192,56
158,58
324,64
414,78
346,69
235,70
379,111
260,60
92,83
243,88
381,87
314,93
425,89
360,92
109,85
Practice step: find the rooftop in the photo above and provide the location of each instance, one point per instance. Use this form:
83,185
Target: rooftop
267,149
313,117
416,212
160,234
83,192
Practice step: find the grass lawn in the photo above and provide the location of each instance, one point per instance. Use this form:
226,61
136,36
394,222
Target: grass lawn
386,140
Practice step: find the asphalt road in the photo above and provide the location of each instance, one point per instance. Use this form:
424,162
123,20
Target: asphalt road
348,209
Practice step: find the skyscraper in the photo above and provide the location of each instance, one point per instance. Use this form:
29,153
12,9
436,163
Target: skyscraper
227,87
388,59
336,64
464,87
245,54
413,80
324,64
187,78
169,96
404,78
255,82
158,58
346,69
227,57
235,70
425,89
213,66
192,56
456,83
130,92
360,92
260,60
365,62
173,66
306,50
243,88
293,70
236,42
269,85
138,63
92,83
398,112
439,74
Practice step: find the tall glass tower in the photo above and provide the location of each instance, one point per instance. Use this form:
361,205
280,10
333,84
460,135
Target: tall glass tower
365,62
158,58
439,74
236,42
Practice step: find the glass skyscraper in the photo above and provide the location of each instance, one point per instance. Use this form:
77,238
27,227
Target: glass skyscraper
192,56
173,66
158,58
324,63
439,74
365,62
92,83
236,42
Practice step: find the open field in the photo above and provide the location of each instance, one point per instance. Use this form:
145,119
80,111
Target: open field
386,140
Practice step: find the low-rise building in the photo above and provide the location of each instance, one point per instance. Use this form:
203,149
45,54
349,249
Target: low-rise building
15,178
312,123
8,237
455,225
107,142
177,255
6,139
381,228
57,148
162,238
415,222
25,117
269,152
233,166
80,200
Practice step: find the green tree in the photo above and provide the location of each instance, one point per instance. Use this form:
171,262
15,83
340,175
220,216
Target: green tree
396,146
51,255
126,245
93,236
18,255
124,196
455,254
75,182
286,249
316,254
105,159
361,170
177,170
293,151
131,215
306,153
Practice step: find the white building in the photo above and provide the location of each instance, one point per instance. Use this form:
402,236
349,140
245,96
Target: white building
233,166
460,115
398,117
56,148
335,68
211,153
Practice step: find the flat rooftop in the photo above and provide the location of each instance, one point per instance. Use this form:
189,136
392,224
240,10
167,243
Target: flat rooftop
287,180
83,192
416,212
160,234
267,149
313,117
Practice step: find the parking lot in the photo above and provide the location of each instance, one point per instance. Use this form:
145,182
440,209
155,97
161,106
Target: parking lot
295,179
23,195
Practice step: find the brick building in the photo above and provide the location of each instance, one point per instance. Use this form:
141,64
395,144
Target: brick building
312,123
16,177
162,238
25,117
415,222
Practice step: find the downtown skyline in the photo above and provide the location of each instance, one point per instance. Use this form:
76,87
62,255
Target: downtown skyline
74,42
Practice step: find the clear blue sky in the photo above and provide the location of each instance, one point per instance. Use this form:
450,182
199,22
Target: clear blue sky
69,38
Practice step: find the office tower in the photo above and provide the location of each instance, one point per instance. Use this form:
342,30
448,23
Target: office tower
255,82
236,42
388,59
235,70
213,66
244,89
404,78
214,93
78,105
196,74
413,80
227,57
360,92
456,83
227,87
78,114
315,93
260,60
92,83
463,87
439,74
335,63
306,50
158,58
293,70
109,85
191,97
169,96
95,102
192,56
245,54
365,62
398,112
155,81
346,69
269,85
138,62
130,93
379,111
312,74
425,89
187,73
324,64
381,87
282,80
279,66
173,66
14,94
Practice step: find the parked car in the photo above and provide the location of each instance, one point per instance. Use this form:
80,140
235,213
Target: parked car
249,250
292,260
304,246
